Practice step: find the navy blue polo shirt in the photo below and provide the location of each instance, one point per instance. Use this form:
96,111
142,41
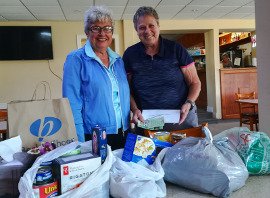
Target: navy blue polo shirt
158,82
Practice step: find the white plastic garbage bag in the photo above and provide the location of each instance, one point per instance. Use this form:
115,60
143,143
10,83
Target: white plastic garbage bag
131,180
96,185
204,165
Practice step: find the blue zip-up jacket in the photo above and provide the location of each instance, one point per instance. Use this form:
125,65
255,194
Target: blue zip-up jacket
88,87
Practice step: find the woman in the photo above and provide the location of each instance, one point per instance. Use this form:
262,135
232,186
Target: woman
161,73
95,82
225,59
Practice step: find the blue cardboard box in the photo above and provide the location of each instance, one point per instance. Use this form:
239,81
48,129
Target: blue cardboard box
139,149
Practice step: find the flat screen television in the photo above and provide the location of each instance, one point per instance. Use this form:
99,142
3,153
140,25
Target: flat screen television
25,43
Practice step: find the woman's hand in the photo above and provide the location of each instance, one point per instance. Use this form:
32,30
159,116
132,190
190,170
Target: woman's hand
137,115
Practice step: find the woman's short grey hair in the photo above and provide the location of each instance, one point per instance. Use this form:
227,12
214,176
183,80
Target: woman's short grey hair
144,11
225,55
97,14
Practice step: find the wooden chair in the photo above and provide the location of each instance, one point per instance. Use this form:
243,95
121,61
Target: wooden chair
247,112
3,124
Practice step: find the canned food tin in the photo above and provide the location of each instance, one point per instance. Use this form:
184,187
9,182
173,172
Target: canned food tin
48,163
46,190
176,137
43,176
162,136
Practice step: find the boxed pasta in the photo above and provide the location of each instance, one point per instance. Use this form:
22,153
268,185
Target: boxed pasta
71,171
139,149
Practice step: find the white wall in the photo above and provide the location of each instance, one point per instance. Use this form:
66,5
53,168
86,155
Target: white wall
19,78
263,43
212,72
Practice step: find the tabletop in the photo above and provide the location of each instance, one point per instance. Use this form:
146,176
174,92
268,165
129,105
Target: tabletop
248,101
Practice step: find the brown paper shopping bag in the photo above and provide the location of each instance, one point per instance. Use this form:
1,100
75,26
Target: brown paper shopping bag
43,120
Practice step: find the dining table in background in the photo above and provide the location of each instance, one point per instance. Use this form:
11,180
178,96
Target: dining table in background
254,102
248,101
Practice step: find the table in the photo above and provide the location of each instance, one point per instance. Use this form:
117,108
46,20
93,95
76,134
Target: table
252,119
248,101
3,124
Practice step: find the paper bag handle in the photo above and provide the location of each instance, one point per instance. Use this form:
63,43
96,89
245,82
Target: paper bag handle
46,86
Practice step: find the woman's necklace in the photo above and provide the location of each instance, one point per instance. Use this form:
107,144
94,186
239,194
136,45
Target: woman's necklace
104,58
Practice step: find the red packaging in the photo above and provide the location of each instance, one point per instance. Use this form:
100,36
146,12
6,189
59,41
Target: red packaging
46,191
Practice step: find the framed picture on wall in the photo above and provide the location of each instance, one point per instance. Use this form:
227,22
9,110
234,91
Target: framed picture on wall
81,40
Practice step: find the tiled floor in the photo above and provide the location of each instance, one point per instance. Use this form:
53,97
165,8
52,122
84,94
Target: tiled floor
256,186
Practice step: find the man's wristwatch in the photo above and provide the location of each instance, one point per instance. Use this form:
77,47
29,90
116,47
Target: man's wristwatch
192,104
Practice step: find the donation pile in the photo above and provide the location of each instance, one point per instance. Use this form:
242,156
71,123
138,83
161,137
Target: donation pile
216,166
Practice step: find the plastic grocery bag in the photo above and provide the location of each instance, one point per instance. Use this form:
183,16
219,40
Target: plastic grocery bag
204,165
253,148
128,179
96,185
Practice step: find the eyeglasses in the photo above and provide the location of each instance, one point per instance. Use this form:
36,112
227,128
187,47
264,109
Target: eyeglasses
97,29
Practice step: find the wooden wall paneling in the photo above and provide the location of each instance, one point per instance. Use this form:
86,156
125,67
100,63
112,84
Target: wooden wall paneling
192,40
230,81
201,101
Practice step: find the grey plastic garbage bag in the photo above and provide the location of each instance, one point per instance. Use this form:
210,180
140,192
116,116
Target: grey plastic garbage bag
205,166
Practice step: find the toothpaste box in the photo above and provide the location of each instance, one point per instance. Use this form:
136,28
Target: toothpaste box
71,171
139,149
99,142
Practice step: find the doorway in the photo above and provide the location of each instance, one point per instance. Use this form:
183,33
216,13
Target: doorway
195,44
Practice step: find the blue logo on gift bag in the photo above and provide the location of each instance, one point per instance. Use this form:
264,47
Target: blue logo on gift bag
47,127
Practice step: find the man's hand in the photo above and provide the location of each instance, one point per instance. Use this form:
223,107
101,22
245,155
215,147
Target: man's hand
137,115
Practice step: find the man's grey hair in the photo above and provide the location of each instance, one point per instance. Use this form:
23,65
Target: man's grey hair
144,11
97,14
